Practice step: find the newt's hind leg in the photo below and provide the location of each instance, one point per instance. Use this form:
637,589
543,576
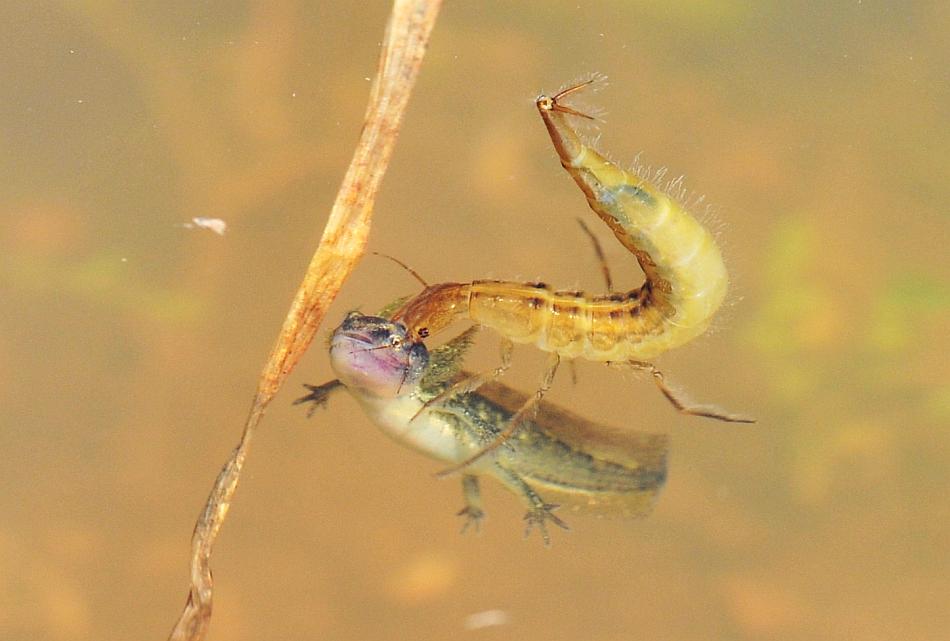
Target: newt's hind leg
682,405
472,511
525,412
473,382
539,513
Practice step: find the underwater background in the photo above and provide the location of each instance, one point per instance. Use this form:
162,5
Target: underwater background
130,345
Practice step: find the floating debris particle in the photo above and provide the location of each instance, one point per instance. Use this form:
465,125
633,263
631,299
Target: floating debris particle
216,225
486,619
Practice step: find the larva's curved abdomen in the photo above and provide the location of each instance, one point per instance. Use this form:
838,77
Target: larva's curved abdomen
685,283
617,327
682,263
686,278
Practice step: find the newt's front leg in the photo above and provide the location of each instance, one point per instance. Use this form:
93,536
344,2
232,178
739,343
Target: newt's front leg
319,395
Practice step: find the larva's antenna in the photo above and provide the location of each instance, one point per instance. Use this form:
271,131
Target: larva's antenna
404,266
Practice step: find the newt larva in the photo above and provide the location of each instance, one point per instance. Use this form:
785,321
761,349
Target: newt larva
556,458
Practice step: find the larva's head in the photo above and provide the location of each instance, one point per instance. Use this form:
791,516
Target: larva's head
376,356
433,309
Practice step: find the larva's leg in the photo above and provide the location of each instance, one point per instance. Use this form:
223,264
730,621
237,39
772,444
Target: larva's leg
604,269
473,503
573,365
682,405
539,512
473,382
601,258
526,411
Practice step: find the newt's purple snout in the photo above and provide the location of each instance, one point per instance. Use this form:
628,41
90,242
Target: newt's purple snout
376,355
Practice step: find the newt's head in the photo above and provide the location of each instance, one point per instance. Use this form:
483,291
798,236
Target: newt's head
376,356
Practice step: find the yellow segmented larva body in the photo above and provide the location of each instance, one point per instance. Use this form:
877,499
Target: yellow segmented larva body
600,328
686,279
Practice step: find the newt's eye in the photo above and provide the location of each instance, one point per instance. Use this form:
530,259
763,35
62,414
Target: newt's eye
395,341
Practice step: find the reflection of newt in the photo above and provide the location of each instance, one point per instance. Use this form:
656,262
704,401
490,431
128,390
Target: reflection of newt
556,456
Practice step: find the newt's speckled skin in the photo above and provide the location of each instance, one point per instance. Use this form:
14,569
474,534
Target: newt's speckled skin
555,458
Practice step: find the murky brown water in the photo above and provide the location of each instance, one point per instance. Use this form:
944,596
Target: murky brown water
130,345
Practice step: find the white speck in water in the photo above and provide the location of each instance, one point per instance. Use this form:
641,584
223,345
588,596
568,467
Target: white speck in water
216,225
486,619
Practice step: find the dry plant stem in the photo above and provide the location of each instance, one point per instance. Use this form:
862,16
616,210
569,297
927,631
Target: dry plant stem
341,247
